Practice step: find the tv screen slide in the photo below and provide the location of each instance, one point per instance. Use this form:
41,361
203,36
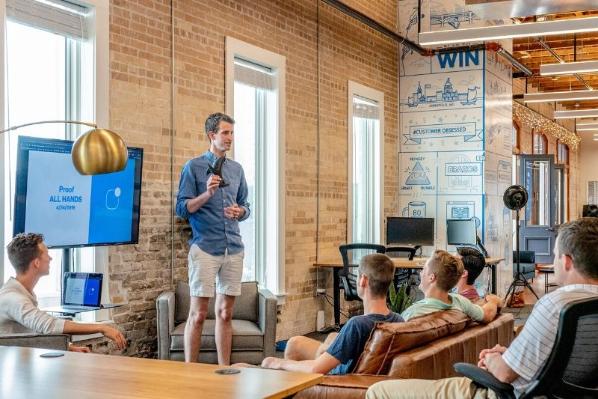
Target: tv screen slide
70,209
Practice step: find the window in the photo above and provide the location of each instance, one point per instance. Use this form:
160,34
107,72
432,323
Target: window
562,153
540,143
55,70
366,116
562,158
255,98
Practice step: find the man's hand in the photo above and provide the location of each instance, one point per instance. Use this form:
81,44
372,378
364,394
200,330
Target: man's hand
80,349
212,184
496,299
271,363
234,212
116,336
496,349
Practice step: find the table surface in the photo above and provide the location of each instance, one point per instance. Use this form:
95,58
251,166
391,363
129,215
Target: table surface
83,375
404,263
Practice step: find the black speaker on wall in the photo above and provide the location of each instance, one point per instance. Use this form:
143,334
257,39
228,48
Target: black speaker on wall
590,211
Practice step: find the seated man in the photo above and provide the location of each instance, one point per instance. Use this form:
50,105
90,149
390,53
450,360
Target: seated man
376,272
18,304
439,275
474,263
576,270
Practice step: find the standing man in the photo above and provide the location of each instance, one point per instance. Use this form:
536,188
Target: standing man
216,249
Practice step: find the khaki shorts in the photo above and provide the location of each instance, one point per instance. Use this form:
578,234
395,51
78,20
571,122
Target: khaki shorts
209,273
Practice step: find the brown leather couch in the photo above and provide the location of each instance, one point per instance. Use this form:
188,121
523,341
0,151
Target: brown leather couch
425,347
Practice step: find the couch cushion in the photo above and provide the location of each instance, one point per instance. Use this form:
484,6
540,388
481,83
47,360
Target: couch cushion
245,305
436,359
389,339
246,336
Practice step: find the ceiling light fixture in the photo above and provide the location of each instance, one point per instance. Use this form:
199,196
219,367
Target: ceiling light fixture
560,96
584,113
568,68
493,33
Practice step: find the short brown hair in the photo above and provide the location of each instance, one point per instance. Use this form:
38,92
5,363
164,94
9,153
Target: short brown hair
447,268
579,240
380,272
23,249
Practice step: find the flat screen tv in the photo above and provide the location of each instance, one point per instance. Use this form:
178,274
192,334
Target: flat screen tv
70,209
409,231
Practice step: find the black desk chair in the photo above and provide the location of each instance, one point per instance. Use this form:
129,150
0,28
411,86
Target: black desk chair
401,275
351,254
571,368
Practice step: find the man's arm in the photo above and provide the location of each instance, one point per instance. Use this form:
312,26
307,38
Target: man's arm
323,364
496,365
188,200
193,204
71,327
491,306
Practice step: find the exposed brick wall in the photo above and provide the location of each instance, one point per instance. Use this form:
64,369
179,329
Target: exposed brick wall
140,109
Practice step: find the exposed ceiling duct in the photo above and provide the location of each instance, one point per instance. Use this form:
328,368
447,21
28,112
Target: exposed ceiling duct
503,9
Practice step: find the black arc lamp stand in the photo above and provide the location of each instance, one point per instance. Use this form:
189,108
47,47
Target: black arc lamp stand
515,198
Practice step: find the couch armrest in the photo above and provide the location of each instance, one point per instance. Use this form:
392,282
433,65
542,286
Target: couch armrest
350,386
165,321
33,340
267,320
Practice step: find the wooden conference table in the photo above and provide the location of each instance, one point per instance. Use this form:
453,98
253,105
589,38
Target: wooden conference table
400,263
26,375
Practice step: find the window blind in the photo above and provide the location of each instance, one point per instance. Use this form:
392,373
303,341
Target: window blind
56,16
255,75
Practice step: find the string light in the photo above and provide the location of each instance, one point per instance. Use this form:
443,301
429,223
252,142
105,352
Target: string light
528,117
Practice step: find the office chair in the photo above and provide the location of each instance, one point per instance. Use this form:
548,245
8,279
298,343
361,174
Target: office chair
401,275
571,368
351,254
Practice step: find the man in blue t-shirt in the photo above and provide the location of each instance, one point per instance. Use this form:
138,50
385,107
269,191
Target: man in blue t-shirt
375,275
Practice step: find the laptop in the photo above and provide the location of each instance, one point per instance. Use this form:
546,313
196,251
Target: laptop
81,292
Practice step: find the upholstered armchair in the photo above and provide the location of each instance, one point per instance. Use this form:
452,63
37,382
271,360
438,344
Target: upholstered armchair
33,340
254,325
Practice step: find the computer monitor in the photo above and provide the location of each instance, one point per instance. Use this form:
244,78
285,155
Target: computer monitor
461,232
409,231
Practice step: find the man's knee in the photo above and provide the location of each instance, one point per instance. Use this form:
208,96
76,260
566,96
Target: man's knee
293,348
197,317
224,313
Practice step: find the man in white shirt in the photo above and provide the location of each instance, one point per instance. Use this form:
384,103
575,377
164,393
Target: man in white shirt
576,271
18,304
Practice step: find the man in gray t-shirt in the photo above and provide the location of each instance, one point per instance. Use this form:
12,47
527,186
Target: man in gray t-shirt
576,270
339,353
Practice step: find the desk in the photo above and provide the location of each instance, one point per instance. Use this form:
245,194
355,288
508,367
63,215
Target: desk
400,263
83,375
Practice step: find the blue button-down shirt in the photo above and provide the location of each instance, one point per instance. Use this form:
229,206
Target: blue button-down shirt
212,231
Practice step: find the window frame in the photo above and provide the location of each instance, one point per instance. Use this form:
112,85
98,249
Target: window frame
356,89
544,143
237,48
98,38
560,145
